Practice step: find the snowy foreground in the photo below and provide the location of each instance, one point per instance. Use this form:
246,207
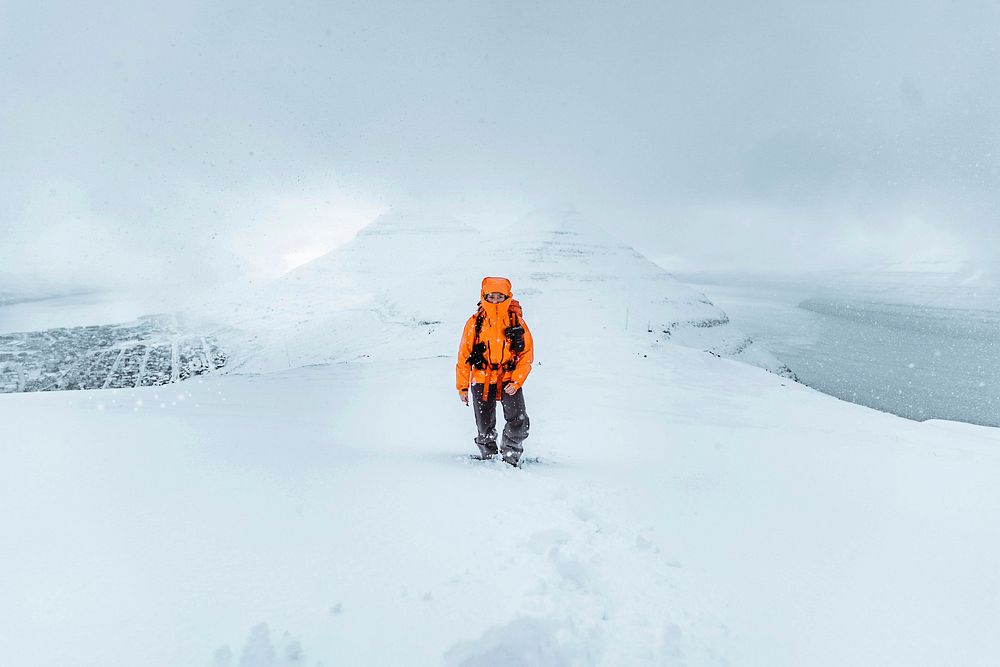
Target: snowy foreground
684,509
724,515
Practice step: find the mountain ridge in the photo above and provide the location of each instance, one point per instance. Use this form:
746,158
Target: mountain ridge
417,276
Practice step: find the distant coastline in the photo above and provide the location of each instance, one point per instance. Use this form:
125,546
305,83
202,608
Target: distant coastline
904,350
14,298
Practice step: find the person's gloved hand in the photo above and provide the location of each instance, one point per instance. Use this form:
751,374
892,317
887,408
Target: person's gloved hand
463,395
511,388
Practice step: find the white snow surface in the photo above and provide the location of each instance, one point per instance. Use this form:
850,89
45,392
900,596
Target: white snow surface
319,507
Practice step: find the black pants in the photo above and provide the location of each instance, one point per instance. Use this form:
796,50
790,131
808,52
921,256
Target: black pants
514,431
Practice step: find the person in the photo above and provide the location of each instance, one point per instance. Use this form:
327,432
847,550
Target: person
494,359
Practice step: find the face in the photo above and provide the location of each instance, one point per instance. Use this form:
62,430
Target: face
496,297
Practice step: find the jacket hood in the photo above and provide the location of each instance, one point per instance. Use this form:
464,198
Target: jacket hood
495,312
492,284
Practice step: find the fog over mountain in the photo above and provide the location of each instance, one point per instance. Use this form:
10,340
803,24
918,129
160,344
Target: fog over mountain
200,141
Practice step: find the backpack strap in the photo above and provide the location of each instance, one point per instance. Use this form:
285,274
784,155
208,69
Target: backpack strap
515,312
477,358
480,316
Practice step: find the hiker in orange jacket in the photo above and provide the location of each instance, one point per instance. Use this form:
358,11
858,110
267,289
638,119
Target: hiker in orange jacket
494,359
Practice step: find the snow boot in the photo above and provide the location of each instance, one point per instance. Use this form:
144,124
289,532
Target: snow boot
486,451
511,457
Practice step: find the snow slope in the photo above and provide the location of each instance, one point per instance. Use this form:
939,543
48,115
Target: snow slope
408,282
685,509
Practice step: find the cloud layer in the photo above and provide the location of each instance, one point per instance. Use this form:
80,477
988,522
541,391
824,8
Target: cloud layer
234,137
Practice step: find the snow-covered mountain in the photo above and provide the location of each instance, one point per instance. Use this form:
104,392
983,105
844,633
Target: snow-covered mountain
676,508
405,285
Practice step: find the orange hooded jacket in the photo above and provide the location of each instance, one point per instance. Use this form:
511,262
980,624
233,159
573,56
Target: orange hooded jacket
496,318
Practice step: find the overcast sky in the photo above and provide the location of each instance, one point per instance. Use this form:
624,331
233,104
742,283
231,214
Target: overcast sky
143,141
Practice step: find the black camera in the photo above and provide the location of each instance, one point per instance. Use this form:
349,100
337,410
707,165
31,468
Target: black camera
478,357
516,336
